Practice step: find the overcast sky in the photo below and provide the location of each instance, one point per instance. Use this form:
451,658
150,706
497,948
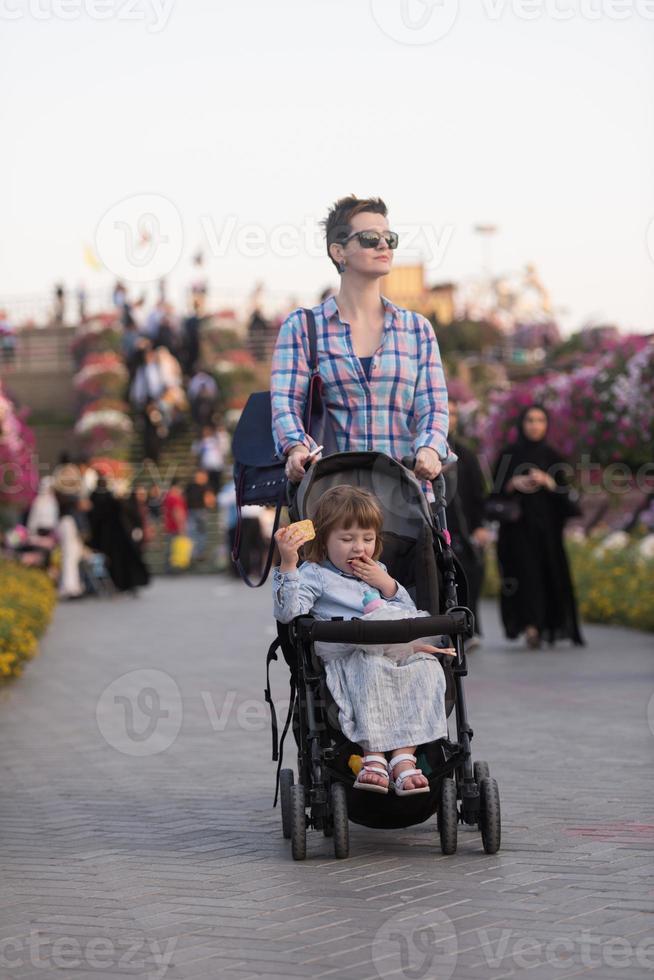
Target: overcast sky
236,124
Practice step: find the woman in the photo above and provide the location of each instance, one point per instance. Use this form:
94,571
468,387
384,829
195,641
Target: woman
380,365
111,535
537,593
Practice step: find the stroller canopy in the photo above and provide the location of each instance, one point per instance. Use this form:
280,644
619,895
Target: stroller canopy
406,510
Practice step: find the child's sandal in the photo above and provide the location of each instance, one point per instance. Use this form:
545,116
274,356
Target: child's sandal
368,766
396,783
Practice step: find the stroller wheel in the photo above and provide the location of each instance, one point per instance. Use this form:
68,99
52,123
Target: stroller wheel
341,825
448,817
298,823
490,822
480,771
286,780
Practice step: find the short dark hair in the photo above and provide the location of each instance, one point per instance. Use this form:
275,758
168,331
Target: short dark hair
337,223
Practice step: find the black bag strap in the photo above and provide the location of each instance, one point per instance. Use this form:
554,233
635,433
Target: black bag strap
313,340
236,551
291,706
272,655
278,746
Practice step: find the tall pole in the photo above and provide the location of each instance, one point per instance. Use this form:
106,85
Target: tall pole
486,232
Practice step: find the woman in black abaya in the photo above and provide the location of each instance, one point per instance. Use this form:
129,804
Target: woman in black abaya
111,534
537,596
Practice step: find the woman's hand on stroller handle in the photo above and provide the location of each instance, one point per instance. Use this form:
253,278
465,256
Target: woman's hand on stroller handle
299,459
426,464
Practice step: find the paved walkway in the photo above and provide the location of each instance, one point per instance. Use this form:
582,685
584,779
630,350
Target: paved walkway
139,839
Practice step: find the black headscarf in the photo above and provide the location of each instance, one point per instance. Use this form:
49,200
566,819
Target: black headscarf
523,451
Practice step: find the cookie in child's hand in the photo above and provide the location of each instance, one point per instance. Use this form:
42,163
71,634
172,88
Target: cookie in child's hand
305,528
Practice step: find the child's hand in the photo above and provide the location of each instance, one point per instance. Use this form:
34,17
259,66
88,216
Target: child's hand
288,541
372,574
420,647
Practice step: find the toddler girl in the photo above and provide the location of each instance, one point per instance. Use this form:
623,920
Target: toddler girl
388,703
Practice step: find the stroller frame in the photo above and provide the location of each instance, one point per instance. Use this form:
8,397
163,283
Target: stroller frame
323,799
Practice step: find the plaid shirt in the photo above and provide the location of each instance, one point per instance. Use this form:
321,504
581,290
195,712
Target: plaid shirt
401,409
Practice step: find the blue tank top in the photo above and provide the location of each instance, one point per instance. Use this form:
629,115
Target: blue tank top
365,364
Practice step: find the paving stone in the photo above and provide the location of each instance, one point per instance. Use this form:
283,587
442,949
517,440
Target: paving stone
179,854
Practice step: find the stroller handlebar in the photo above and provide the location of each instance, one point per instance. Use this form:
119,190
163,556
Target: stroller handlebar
456,622
438,484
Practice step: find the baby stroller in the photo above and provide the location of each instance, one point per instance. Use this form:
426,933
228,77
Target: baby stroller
95,575
416,551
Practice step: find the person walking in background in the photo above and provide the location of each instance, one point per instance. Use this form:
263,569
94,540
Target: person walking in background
147,384
43,514
211,451
380,365
203,398
537,596
191,340
465,491
138,517
198,498
175,515
111,534
59,304
155,503
67,486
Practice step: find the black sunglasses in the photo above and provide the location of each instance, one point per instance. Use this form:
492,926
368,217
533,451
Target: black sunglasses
371,239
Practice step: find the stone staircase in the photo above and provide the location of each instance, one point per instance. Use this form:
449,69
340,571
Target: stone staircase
176,460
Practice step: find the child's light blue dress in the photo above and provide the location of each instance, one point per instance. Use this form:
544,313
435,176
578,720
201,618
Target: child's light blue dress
383,704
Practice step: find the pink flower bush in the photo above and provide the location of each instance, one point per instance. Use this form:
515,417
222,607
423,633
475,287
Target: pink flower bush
103,425
604,410
18,473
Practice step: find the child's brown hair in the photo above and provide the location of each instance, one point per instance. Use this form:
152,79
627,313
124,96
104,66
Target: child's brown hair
342,507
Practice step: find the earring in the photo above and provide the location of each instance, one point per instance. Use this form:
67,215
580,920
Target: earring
341,267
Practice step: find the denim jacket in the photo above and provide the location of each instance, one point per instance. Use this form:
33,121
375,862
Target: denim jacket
326,592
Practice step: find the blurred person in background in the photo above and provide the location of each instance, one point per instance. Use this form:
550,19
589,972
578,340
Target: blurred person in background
175,515
147,384
155,503
212,449
154,432
59,304
191,339
7,338
537,596
111,534
253,550
203,397
466,494
199,498
138,517
43,514
67,486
